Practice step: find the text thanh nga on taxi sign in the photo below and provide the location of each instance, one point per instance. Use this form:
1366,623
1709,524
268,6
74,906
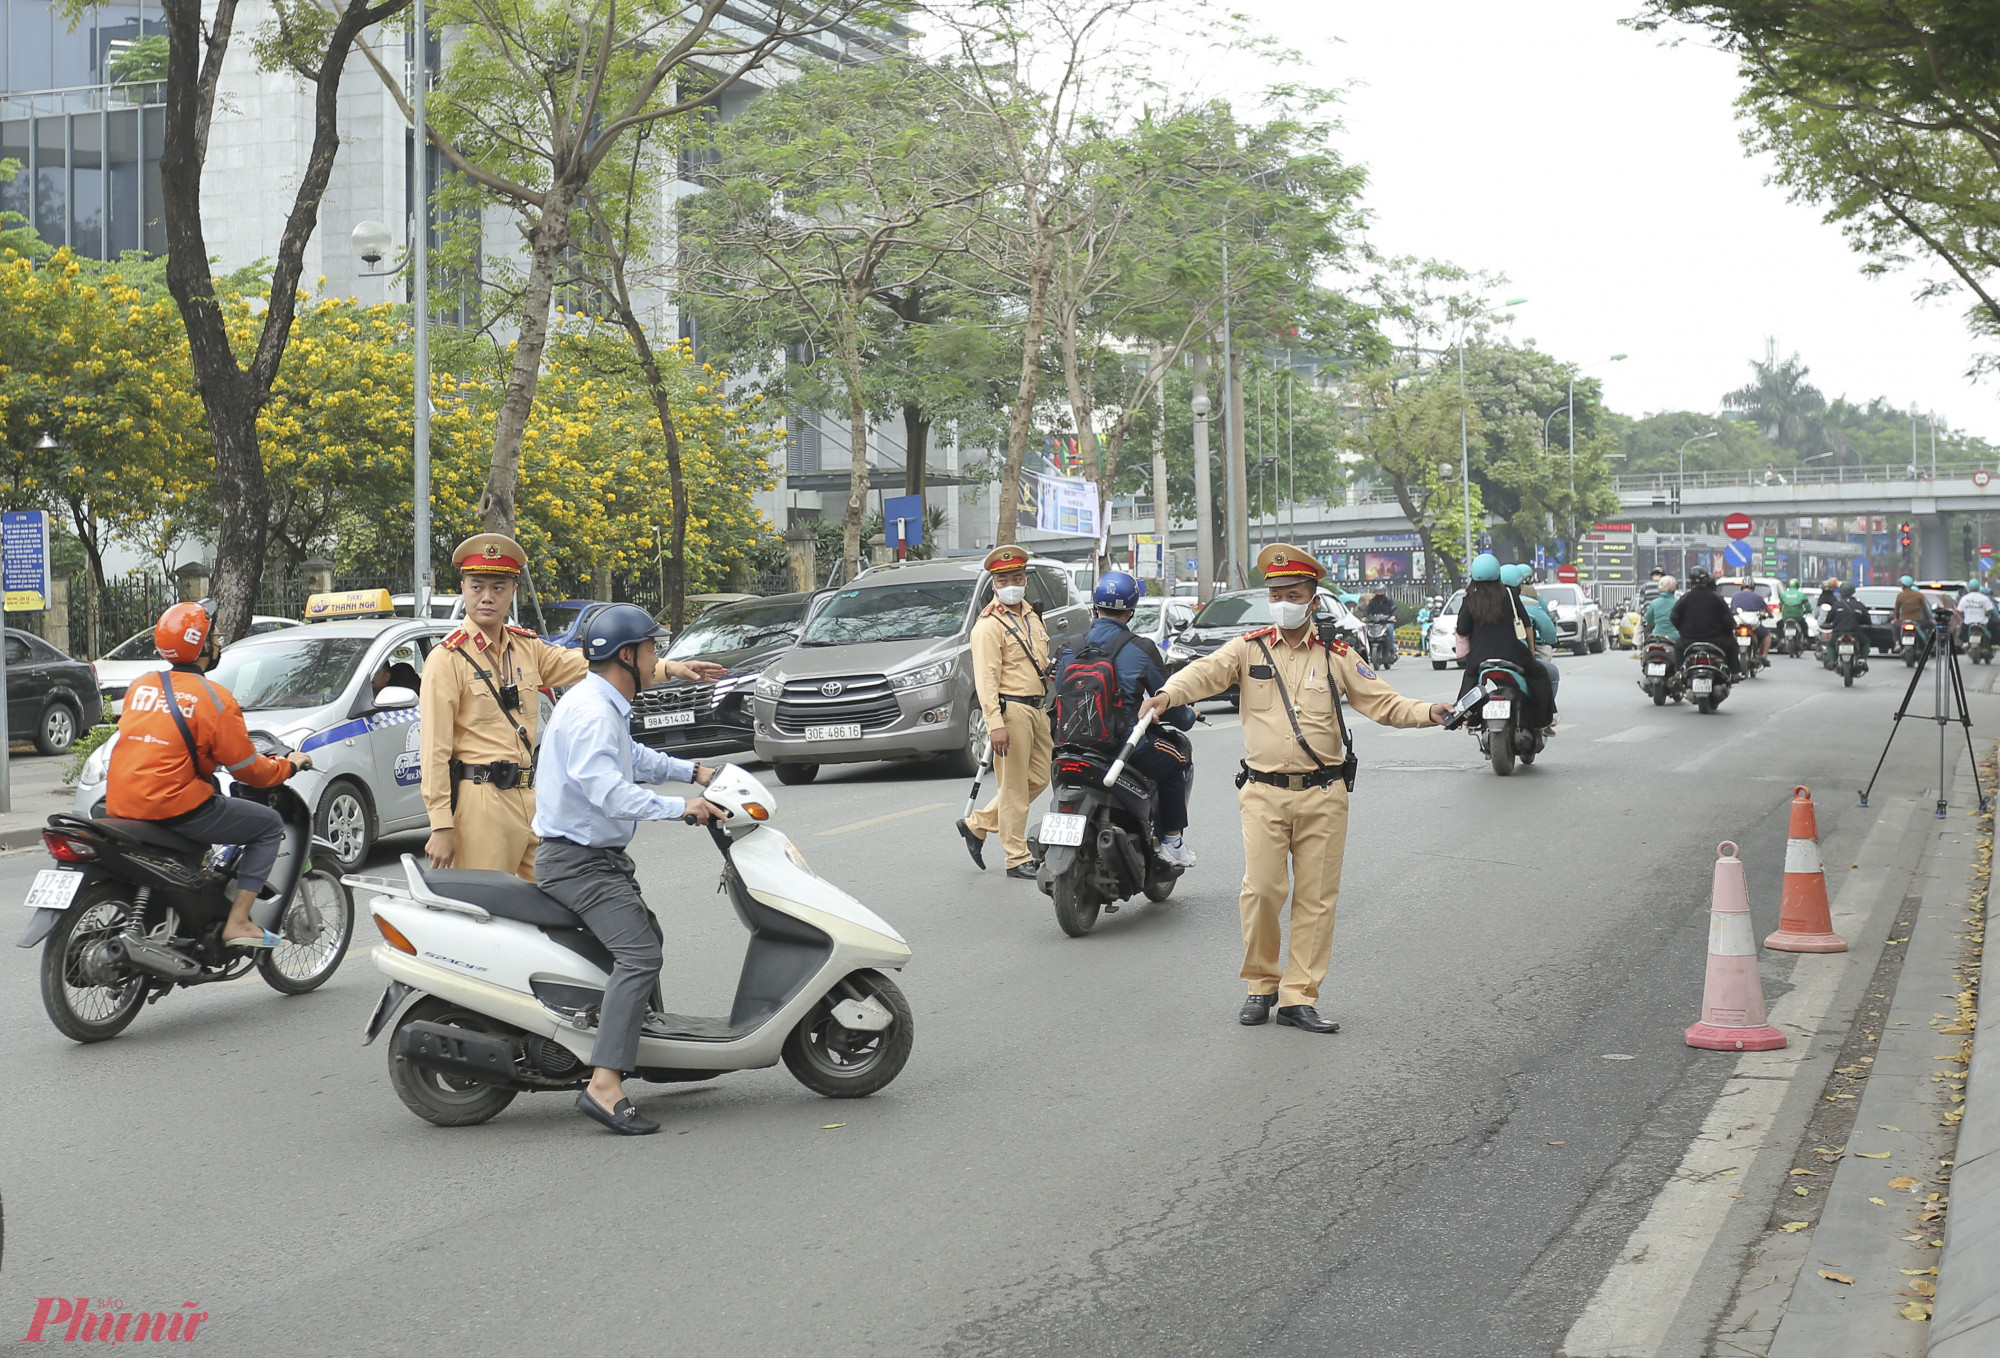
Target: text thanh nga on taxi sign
353,603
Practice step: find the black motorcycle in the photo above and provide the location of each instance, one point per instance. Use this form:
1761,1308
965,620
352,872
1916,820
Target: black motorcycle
1909,641
1792,636
1843,654
1098,844
1705,674
132,910
1657,675
1381,641
1978,644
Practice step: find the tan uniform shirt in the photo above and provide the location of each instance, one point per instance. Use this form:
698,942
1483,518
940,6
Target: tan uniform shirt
1268,741
1010,654
461,717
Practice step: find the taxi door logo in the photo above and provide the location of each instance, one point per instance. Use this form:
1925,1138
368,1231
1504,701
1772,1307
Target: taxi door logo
409,764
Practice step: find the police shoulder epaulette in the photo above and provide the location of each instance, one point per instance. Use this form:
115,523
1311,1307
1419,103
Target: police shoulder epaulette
1261,634
456,639
1337,646
521,631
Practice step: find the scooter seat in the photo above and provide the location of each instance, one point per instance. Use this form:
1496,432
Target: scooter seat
150,833
505,895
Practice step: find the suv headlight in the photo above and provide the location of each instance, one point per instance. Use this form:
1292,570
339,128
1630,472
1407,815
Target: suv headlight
770,684
928,677
98,767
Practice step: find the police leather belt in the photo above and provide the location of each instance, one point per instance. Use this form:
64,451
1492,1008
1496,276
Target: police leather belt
502,773
1034,701
1294,782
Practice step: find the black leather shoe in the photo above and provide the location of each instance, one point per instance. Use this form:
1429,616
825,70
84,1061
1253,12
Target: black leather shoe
1306,1017
974,845
1256,1010
624,1119
1022,870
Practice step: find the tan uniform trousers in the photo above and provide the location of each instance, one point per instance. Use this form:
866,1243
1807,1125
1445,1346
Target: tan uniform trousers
1021,773
1291,841
495,831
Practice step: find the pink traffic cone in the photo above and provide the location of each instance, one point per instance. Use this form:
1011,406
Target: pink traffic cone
1732,1002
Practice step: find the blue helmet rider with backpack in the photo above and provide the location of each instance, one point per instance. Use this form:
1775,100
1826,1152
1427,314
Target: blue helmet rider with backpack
1100,682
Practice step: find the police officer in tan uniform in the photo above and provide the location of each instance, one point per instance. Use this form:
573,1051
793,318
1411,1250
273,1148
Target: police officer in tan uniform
1010,669
1295,782
479,709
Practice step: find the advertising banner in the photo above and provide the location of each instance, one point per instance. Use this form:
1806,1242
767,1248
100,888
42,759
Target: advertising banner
24,560
1058,504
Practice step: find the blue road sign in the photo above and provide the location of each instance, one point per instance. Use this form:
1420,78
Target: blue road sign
903,521
1737,553
24,560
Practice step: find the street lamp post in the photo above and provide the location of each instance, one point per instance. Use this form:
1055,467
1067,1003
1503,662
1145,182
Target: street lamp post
1204,494
1569,404
1680,491
1464,445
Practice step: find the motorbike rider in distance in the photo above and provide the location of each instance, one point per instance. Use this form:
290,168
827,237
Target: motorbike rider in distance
1975,609
1830,595
1380,605
1492,622
1545,637
1748,600
1161,755
1792,606
1848,617
177,729
1701,615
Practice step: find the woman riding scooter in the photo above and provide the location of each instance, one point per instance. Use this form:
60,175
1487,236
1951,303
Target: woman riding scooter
1493,624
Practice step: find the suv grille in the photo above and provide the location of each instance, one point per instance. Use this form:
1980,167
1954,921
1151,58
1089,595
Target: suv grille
696,698
866,699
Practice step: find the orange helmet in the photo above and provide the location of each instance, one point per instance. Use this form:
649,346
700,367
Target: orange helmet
182,631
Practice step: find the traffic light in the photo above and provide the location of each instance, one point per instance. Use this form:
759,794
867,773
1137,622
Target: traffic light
1903,536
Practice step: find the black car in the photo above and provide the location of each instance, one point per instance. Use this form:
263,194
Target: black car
692,718
49,695
1228,616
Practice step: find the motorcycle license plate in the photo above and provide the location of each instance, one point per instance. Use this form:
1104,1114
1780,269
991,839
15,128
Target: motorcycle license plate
1058,828
53,889
1703,686
1658,671
1498,708
656,720
851,731
1847,650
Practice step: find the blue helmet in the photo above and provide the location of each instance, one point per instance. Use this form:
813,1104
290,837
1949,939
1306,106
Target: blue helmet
1515,575
1906,582
1115,589
612,629
1486,566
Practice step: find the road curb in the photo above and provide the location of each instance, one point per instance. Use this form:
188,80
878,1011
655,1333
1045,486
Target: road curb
24,837
1966,1320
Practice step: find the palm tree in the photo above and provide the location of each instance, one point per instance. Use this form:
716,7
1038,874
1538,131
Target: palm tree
1790,410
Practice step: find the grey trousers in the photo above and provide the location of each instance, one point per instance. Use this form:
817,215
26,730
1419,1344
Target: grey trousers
233,820
599,885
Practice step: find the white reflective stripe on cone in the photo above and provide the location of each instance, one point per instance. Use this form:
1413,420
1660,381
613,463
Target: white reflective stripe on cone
1801,855
1729,935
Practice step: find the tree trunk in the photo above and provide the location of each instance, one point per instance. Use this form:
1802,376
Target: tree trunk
1082,414
916,447
675,602
1021,418
849,340
546,245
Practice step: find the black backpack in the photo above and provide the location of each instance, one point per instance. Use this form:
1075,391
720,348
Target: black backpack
1090,707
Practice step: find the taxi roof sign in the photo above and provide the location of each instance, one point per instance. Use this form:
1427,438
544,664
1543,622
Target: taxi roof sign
353,603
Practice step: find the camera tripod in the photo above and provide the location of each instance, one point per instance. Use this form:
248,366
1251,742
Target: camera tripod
1935,640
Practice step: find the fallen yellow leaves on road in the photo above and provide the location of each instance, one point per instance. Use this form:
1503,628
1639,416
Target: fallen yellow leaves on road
1873,1155
1916,1310
1905,1183
1833,1277
1793,1227
1878,1202
1815,1173
1924,1287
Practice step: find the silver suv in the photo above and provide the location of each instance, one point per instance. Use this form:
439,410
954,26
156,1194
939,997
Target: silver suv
882,668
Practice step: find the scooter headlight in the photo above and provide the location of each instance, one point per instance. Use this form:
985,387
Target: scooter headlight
97,768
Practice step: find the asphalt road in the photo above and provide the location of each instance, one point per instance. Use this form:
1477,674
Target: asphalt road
1086,1153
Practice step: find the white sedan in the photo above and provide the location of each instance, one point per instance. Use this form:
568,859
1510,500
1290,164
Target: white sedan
135,656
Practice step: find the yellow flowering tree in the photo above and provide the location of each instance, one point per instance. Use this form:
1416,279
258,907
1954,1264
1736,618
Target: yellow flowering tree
93,356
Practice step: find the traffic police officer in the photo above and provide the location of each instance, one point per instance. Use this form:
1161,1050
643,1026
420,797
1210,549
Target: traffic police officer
479,708
1010,668
1296,780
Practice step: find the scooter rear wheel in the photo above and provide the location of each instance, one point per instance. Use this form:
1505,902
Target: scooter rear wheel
1659,693
844,1063
439,1099
1500,747
84,1006
1076,913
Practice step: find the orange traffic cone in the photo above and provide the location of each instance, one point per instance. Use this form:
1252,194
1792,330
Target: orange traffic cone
1805,923
1732,1002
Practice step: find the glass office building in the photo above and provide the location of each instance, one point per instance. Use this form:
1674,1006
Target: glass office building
82,111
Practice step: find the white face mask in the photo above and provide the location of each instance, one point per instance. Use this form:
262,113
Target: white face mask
1011,594
1289,615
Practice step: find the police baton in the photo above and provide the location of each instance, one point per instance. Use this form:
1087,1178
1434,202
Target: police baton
1131,744
985,767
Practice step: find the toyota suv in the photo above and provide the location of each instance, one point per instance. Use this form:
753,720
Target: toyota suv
883,668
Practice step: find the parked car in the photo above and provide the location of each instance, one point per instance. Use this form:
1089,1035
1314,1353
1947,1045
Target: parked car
1440,646
694,718
882,668
1579,621
1230,615
1162,620
444,606
134,656
313,688
50,696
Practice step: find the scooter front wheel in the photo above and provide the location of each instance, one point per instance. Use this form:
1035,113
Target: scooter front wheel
440,1099
317,926
851,1063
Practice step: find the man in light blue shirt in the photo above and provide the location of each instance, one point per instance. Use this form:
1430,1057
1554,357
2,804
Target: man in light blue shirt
588,805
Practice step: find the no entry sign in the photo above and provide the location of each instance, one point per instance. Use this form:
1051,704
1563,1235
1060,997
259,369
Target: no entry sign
1982,478
1566,574
1737,525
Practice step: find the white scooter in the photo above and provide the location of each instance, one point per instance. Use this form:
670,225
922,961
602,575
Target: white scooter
494,985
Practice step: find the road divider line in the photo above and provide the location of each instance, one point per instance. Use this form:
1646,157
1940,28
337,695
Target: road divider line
1634,1308
877,820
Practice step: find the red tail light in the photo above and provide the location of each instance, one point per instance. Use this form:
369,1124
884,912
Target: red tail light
64,849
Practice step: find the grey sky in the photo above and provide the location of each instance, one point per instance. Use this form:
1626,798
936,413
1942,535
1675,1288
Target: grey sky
1601,172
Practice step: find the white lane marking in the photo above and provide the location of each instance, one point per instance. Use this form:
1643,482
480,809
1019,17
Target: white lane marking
877,820
1734,739
1632,735
1635,1306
